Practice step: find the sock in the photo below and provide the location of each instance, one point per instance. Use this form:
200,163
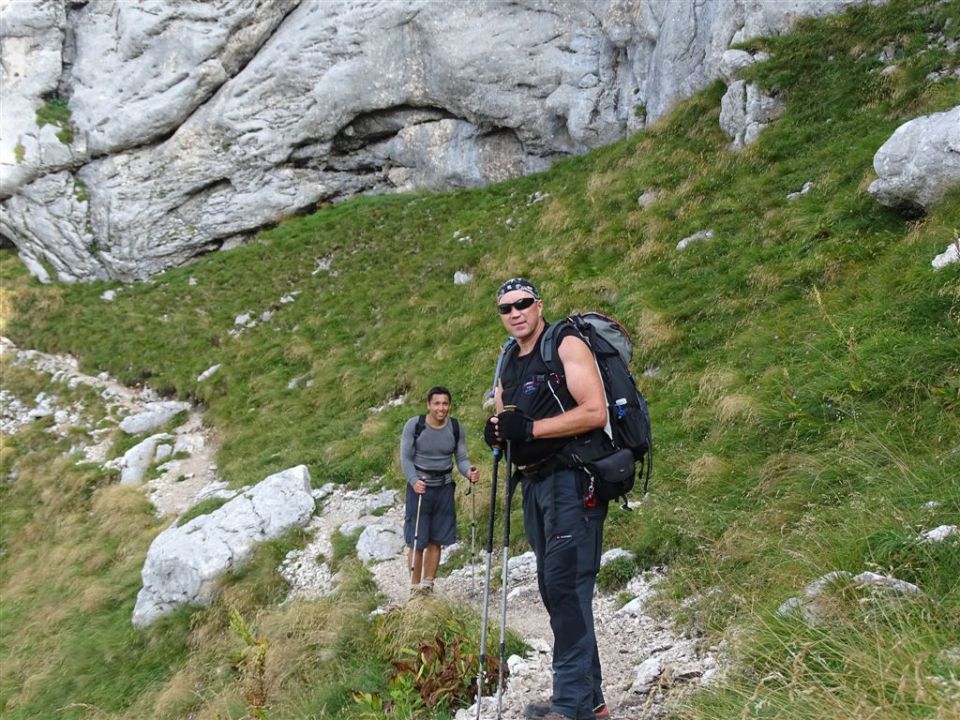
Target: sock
427,582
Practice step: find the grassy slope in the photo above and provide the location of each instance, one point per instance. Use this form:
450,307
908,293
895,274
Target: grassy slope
805,409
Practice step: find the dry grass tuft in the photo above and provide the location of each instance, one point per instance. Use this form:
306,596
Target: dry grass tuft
178,697
64,558
717,382
694,416
600,184
648,251
373,426
7,452
600,286
778,468
31,685
299,350
413,622
736,407
125,512
704,469
297,636
95,596
737,544
654,332
556,217
649,225
763,279
919,231
11,292
227,705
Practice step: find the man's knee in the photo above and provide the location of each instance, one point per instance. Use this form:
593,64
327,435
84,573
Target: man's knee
560,570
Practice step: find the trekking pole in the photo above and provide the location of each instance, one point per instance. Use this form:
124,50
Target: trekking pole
486,586
490,402
473,538
508,495
416,536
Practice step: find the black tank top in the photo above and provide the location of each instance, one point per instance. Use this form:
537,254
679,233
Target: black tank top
529,385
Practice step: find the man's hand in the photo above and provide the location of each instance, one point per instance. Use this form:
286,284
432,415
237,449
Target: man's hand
419,487
514,426
490,433
474,474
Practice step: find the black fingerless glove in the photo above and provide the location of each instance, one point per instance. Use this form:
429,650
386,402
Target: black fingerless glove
515,426
490,434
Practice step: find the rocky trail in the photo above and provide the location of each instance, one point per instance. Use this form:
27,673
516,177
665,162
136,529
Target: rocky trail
647,662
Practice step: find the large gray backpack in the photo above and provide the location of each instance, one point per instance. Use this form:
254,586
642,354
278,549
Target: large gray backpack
628,418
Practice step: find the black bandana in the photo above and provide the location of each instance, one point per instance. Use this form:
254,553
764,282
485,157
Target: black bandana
517,284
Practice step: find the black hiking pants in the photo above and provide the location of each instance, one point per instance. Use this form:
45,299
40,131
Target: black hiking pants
567,539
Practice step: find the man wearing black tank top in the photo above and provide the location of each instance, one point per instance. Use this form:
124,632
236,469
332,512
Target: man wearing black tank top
538,413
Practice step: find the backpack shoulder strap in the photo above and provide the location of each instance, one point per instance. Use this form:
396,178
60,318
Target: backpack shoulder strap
418,428
548,342
422,423
509,345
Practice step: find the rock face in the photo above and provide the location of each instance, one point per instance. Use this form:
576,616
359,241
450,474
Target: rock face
920,162
745,110
183,563
138,135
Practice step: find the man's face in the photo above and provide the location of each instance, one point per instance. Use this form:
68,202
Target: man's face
439,407
520,323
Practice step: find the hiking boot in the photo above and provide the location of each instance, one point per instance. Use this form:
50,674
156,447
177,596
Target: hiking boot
539,710
536,710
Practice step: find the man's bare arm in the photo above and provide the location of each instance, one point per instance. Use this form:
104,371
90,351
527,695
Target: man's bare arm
586,388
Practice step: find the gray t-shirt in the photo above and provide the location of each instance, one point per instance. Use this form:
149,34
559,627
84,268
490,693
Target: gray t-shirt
433,453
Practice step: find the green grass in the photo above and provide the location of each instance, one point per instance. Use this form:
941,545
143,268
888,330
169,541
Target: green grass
805,409
56,112
204,507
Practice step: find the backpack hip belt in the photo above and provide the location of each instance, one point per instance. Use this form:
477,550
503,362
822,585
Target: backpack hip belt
436,474
542,468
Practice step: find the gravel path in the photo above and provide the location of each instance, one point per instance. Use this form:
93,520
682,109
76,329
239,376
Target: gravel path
647,663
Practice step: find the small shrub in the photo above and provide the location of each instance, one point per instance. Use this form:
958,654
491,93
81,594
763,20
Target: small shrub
56,112
80,191
251,665
616,574
433,650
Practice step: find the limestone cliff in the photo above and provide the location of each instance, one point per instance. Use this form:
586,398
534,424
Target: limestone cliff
134,136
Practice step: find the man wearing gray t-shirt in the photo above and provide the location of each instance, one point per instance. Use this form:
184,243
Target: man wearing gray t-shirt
427,446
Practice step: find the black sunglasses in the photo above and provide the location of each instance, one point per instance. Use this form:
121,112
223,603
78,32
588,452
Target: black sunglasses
521,304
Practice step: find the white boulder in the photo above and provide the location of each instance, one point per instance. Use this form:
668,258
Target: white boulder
153,417
698,236
379,542
939,534
184,563
208,373
920,162
948,256
136,461
615,554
